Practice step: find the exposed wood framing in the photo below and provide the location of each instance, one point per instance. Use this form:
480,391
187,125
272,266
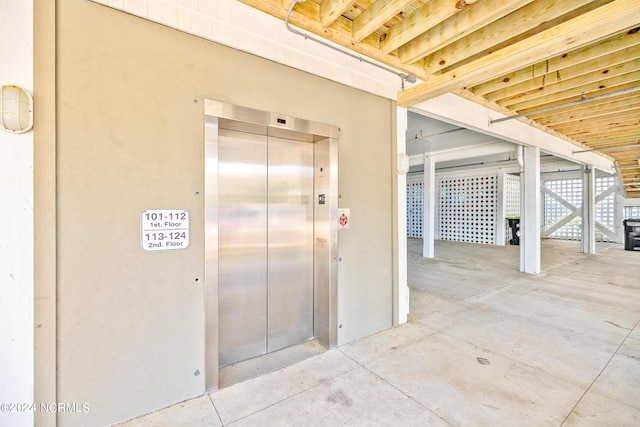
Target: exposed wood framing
513,56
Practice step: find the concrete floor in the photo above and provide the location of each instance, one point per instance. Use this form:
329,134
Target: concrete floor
485,346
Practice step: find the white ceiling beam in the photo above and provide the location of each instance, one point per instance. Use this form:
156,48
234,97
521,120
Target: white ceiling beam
469,152
457,110
474,151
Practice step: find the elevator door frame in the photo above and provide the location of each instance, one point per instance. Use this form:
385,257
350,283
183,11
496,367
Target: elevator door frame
325,270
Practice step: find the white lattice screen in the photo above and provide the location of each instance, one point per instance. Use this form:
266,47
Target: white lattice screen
415,202
570,191
606,208
512,194
511,199
467,208
554,211
632,212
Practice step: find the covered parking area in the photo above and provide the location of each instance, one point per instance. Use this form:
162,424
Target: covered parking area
484,345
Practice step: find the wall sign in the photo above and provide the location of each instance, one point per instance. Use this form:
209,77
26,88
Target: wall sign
164,229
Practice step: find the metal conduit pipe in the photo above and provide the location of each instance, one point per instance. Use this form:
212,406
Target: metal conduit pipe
612,147
404,77
568,104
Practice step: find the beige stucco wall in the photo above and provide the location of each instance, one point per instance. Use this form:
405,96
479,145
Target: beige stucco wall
130,324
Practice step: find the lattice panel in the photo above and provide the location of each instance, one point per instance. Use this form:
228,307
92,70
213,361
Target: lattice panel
632,212
415,191
571,191
512,194
606,208
467,208
511,200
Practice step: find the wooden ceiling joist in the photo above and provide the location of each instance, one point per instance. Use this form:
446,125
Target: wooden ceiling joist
615,84
426,17
587,72
331,10
462,23
564,61
375,16
579,31
512,56
559,104
589,111
606,122
528,17
589,83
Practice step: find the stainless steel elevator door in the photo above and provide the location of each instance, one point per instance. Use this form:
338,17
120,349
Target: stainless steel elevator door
290,243
265,289
242,245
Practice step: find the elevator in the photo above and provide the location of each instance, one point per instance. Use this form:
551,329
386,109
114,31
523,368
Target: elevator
270,234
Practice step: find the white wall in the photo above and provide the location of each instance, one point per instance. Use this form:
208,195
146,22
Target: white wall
242,27
16,221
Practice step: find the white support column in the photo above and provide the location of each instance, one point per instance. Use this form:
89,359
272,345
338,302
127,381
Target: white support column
530,212
401,297
588,245
429,207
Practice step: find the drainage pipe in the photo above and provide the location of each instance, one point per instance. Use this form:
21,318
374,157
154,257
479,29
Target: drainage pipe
519,151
